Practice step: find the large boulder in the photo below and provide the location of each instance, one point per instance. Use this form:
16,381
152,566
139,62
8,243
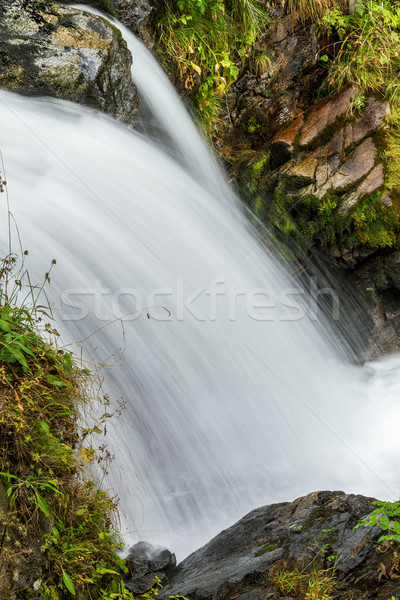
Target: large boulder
312,537
48,49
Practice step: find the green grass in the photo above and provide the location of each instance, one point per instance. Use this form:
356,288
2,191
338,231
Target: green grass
44,450
313,584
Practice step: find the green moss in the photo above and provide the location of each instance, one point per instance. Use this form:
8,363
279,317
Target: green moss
252,125
265,548
374,224
259,164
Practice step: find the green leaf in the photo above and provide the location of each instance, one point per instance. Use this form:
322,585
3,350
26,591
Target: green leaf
45,427
105,571
54,381
384,522
68,583
396,527
42,504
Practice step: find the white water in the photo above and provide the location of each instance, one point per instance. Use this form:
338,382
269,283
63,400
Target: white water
223,413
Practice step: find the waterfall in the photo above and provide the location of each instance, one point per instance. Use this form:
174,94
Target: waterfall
236,394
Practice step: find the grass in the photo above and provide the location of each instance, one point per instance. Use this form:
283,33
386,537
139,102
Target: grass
208,41
317,584
309,10
44,449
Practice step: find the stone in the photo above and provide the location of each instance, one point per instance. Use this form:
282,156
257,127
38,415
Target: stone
145,564
326,113
287,136
355,167
269,94
136,14
237,563
372,182
49,49
371,119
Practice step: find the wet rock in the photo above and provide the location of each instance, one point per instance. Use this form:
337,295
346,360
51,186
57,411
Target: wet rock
136,14
323,168
267,95
240,561
49,49
326,113
147,565
371,119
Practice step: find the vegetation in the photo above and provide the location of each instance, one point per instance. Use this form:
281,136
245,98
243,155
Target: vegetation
316,584
364,48
387,516
208,40
44,448
305,10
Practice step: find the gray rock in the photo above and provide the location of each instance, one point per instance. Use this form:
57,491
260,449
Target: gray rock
53,50
239,561
135,14
146,565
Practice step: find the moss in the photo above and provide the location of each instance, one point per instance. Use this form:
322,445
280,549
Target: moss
374,224
259,164
252,125
265,548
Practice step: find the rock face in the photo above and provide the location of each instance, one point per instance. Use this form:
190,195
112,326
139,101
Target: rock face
377,282
53,50
308,535
147,565
322,178
267,95
135,14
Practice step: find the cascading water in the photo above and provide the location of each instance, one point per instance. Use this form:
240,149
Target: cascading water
236,399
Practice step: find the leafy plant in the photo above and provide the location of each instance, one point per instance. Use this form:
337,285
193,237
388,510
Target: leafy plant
387,517
43,395
208,40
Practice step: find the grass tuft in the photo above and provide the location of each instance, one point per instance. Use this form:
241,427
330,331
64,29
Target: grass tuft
309,10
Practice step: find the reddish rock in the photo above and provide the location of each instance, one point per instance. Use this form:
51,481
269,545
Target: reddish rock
372,182
369,121
359,163
288,135
325,113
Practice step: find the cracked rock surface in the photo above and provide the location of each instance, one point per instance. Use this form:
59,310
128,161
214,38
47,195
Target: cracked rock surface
48,49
